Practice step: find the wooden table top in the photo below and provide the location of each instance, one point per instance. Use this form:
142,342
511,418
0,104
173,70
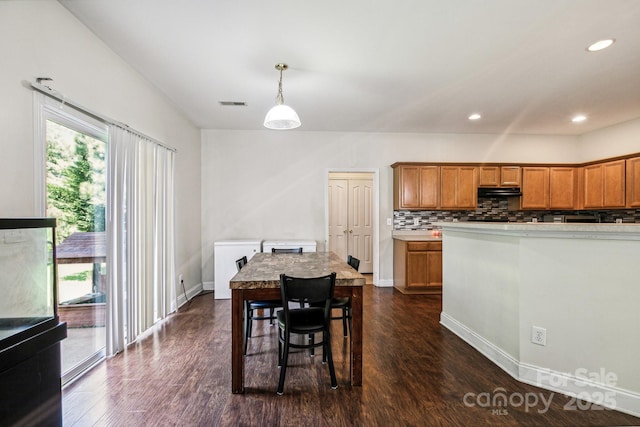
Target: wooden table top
264,269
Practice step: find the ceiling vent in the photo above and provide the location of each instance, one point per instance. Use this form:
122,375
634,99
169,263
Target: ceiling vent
233,103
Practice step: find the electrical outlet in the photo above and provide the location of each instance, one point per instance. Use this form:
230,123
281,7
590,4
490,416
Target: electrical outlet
179,278
538,335
416,221
389,221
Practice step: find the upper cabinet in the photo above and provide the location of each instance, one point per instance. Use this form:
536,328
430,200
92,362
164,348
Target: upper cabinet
563,187
499,176
552,187
535,188
416,187
604,185
459,187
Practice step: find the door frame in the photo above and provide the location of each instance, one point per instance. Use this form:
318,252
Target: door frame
376,212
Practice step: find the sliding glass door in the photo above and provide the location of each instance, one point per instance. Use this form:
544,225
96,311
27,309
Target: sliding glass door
76,197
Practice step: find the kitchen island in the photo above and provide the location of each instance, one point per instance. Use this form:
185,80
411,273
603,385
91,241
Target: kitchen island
572,288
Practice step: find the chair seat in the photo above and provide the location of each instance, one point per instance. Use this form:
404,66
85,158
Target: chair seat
303,321
340,302
258,304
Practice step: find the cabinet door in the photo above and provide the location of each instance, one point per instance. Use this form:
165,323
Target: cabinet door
434,268
409,187
416,269
489,176
604,185
448,186
614,186
510,176
593,186
535,188
429,186
633,182
467,195
562,187
459,187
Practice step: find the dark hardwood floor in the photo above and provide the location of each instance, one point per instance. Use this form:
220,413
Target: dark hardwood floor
415,373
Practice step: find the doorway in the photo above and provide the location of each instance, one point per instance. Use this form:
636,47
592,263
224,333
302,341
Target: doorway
351,223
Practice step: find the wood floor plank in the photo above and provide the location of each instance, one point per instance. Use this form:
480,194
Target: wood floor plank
415,373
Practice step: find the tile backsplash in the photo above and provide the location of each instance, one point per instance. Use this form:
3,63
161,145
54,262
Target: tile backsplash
497,209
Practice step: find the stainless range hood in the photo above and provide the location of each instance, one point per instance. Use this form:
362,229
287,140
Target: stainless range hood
499,192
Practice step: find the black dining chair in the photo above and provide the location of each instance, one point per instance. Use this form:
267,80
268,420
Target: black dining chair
314,297
286,250
251,306
344,303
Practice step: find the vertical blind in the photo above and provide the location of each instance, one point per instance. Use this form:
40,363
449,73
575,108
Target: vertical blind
140,241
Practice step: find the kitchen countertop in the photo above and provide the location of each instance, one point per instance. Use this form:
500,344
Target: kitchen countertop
548,229
416,236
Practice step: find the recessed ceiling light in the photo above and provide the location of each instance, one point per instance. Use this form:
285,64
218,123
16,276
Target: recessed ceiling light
600,44
475,116
579,118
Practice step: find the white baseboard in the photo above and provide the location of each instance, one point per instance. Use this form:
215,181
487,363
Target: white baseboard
492,352
384,283
191,292
208,286
606,395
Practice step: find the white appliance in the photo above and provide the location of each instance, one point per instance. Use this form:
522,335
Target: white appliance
306,245
225,254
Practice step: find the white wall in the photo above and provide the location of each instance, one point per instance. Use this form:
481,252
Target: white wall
270,184
41,38
612,141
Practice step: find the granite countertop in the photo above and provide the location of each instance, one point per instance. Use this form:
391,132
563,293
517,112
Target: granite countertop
263,270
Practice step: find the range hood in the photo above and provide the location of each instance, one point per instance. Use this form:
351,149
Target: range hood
499,191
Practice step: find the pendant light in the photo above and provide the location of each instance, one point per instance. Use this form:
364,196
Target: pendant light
281,116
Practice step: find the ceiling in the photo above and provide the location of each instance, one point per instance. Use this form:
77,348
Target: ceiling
384,66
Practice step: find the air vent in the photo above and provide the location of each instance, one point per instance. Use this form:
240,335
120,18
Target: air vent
233,103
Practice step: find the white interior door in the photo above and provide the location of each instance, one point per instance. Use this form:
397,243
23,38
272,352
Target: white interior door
338,216
351,201
360,222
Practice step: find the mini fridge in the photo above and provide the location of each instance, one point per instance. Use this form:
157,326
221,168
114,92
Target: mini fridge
225,254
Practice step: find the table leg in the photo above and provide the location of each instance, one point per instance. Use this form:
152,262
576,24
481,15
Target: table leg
237,360
356,336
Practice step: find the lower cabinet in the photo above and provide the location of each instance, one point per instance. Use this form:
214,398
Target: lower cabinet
417,266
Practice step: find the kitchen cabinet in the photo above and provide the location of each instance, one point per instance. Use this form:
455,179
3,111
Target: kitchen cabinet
535,187
563,187
553,187
633,182
459,187
604,185
499,176
417,266
416,186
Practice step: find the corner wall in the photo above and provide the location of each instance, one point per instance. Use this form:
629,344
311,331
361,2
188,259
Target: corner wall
43,39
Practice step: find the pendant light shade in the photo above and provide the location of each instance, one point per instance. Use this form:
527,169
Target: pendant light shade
281,116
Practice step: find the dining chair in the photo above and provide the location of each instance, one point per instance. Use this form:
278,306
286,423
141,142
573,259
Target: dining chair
314,297
250,307
286,250
344,303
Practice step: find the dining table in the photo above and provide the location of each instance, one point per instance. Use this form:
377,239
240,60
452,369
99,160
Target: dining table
259,279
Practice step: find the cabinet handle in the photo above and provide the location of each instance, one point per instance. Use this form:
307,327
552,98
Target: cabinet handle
350,231
344,231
